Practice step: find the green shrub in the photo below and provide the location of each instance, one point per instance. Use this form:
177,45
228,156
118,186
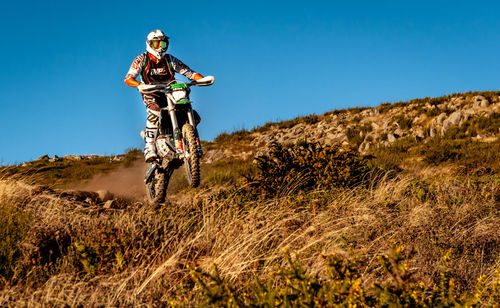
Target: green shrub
99,250
472,154
343,285
290,168
225,171
356,110
403,122
14,227
432,112
288,124
354,136
237,136
480,125
311,119
131,156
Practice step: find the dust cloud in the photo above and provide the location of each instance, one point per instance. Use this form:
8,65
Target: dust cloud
124,182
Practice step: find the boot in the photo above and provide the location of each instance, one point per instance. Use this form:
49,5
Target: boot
150,147
150,152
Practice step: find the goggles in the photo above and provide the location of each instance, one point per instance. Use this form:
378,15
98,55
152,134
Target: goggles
156,44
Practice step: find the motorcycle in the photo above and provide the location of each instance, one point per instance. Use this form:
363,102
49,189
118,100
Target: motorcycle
177,142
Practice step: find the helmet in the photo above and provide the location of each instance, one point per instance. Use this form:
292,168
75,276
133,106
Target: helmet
157,43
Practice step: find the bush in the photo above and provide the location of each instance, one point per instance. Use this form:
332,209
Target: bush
468,152
131,156
225,172
354,136
290,168
403,122
14,227
237,136
343,285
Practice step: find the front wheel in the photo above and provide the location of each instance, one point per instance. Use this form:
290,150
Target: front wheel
157,186
191,155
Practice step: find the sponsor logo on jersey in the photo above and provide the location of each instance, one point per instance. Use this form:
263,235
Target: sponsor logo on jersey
158,71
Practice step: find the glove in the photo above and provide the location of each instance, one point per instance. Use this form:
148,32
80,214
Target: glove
147,88
205,81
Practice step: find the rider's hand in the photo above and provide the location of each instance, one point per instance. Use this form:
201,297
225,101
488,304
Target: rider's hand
142,87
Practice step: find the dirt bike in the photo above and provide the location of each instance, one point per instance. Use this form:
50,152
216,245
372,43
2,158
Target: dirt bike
177,142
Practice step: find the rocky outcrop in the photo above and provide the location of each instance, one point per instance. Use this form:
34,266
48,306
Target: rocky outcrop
381,126
56,158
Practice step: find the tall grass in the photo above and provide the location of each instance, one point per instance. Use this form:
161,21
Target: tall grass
140,254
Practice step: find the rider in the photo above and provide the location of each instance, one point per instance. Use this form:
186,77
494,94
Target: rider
155,67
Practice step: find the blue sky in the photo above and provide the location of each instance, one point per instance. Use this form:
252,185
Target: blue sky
62,89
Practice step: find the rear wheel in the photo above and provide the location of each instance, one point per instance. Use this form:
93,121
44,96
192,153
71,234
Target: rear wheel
192,156
157,186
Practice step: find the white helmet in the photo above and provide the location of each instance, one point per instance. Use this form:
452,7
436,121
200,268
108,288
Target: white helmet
157,43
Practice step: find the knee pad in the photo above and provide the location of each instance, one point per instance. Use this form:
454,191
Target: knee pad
152,118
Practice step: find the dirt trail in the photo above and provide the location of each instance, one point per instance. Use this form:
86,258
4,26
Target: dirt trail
124,182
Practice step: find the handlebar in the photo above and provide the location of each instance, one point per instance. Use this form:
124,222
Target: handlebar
150,88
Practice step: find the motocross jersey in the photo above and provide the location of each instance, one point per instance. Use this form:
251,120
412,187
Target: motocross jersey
153,72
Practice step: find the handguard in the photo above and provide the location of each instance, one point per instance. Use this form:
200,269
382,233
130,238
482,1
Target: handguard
148,88
205,81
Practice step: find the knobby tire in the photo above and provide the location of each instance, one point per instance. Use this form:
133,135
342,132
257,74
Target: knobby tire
157,188
192,161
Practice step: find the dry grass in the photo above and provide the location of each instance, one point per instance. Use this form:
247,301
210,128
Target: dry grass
138,255
441,201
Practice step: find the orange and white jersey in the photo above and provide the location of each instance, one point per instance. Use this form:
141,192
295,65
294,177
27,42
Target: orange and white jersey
153,71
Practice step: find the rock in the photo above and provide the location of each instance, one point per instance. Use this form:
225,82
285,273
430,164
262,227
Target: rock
432,132
329,139
453,120
398,132
420,119
364,147
440,118
81,196
117,158
43,157
110,204
372,137
40,189
480,102
386,123
90,201
54,159
104,195
321,125
375,126
213,156
419,134
484,104
297,129
72,157
391,138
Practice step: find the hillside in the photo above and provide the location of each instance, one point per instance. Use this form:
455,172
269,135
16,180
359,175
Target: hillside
392,205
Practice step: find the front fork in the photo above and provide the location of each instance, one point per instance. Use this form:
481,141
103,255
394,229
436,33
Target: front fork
175,126
197,138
